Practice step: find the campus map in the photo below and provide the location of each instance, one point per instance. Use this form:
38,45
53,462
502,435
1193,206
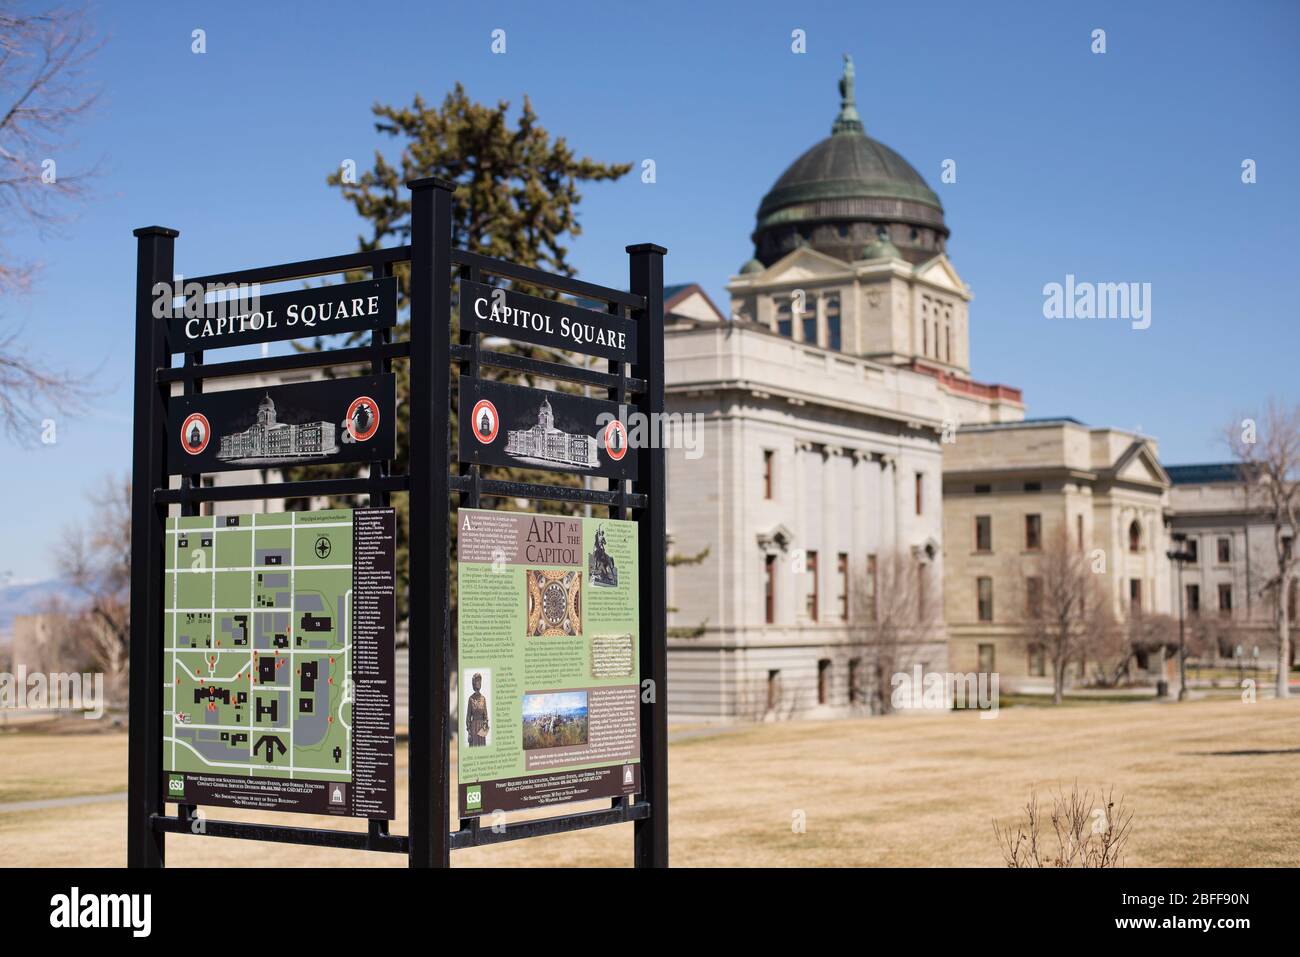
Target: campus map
277,662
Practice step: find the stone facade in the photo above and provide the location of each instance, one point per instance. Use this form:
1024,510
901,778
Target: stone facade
826,393
1103,487
810,462
1224,589
43,643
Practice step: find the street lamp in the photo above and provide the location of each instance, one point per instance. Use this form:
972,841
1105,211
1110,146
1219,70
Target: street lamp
1181,556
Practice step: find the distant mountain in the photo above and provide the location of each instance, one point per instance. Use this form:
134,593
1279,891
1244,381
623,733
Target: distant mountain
29,598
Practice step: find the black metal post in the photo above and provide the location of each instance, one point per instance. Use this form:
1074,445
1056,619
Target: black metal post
429,538
155,263
646,276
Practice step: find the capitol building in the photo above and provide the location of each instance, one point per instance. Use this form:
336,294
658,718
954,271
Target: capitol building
271,441
833,394
545,444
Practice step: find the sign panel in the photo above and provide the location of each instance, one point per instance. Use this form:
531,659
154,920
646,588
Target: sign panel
512,425
550,702
546,322
319,311
278,661
331,420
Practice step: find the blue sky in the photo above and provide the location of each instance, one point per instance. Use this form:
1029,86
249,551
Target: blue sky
1123,166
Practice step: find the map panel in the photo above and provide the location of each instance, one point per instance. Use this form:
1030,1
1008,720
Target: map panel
278,661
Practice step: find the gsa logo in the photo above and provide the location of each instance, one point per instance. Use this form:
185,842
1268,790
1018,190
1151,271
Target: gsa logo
176,784
473,797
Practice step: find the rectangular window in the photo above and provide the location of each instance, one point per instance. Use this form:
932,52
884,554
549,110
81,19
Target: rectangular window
1193,600
811,566
855,681
1225,551
1033,596
768,459
983,533
810,329
947,343
1225,601
1192,548
987,659
984,592
925,337
1078,524
1135,595
1033,532
824,681
833,326
773,689
1291,602
769,589
872,582
1037,661
983,489
784,325
920,492
1033,486
842,571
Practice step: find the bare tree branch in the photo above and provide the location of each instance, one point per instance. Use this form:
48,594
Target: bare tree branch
894,610
1268,448
43,93
30,392
95,558
1090,831
1064,608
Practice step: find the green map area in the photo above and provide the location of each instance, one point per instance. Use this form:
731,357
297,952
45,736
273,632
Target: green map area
257,666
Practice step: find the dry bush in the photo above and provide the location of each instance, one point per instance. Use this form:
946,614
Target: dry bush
1086,831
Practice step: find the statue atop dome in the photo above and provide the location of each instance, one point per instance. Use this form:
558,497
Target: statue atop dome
848,121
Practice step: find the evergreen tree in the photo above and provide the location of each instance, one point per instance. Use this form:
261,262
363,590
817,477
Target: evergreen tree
516,200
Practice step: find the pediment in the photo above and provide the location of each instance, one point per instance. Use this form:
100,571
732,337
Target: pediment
1139,464
804,264
940,272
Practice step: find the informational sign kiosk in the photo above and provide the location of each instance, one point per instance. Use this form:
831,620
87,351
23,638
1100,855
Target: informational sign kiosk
262,673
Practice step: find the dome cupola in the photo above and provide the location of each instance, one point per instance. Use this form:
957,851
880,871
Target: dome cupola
838,197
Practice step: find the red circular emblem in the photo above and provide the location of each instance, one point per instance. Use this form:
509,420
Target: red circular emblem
363,418
616,440
485,421
195,433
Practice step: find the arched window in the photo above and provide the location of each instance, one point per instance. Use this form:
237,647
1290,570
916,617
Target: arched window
1135,536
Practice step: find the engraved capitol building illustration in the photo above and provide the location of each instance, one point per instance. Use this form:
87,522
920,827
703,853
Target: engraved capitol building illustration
543,442
269,440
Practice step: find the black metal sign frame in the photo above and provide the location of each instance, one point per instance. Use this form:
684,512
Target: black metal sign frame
431,483
319,311
332,420
593,426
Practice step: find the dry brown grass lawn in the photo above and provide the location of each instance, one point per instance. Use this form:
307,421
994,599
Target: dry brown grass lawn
1211,783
